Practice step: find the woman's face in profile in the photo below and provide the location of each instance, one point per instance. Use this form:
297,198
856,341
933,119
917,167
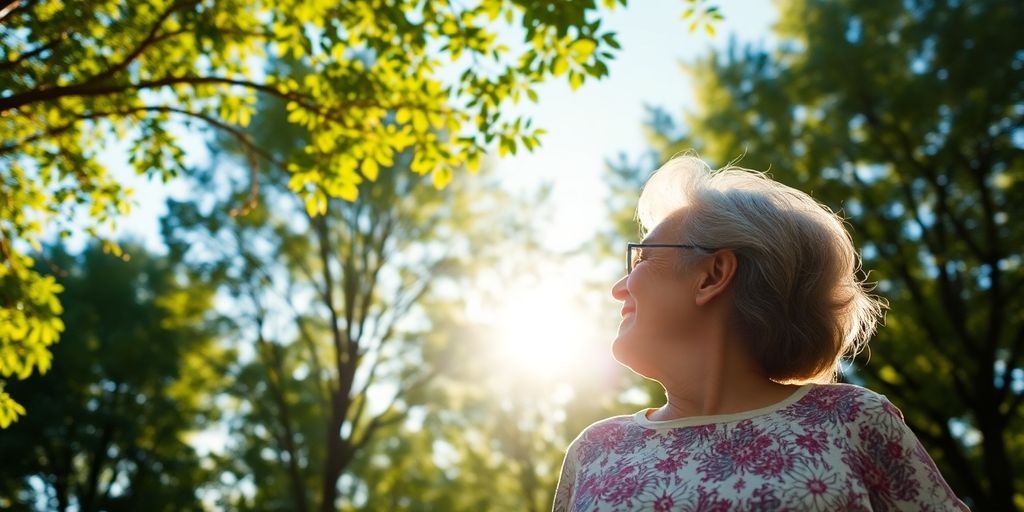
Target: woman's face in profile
657,307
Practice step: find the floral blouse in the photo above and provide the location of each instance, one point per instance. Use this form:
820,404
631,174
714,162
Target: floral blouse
825,447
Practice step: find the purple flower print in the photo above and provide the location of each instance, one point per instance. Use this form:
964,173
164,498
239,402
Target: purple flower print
828,405
814,441
839,447
664,503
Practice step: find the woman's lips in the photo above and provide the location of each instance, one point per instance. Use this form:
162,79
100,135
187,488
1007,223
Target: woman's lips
627,311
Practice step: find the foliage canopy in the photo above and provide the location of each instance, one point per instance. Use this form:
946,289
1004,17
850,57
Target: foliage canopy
431,77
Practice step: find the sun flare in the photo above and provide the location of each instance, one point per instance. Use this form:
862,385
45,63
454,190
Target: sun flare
541,329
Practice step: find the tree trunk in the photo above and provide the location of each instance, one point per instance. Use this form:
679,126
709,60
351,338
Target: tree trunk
275,383
99,456
60,487
334,462
997,465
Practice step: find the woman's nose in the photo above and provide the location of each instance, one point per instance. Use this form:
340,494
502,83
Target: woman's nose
619,291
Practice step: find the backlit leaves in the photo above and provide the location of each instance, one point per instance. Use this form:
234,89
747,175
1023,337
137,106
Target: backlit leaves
380,78
702,13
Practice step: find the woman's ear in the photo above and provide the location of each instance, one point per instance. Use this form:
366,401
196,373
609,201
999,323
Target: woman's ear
715,276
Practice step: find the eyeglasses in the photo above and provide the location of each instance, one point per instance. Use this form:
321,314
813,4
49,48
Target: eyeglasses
633,252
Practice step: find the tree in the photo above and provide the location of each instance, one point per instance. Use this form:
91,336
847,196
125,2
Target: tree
330,307
75,75
110,422
908,118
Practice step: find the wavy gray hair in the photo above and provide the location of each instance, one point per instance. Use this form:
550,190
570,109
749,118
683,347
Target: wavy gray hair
799,299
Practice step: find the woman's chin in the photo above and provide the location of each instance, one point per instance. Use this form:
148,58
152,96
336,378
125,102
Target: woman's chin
621,349
626,353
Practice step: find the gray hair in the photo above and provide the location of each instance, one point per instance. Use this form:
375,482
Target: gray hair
798,297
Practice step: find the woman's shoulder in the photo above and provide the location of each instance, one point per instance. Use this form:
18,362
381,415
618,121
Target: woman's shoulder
864,397
842,389
846,404
607,425
604,430
839,404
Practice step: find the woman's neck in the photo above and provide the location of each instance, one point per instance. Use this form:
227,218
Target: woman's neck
719,378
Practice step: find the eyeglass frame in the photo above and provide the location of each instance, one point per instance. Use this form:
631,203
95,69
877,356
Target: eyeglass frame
630,246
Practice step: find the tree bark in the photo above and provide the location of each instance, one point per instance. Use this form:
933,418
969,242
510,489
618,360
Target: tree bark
275,381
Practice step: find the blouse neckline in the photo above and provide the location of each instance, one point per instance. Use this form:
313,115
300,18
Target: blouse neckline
641,416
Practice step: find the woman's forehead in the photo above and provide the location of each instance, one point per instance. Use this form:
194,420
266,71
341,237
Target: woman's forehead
668,230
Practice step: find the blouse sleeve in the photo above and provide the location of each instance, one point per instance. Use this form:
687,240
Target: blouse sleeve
896,469
566,482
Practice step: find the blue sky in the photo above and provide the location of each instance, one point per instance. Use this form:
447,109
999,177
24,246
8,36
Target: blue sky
601,119
584,127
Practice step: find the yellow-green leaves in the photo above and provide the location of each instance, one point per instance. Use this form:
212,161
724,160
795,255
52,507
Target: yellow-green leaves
441,177
370,169
48,9
559,66
890,375
28,329
316,203
365,80
582,50
702,13
9,409
419,121
575,80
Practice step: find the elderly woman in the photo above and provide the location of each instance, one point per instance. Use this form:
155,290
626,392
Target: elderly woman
741,301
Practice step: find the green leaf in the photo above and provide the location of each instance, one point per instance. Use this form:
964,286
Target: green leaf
370,169
575,80
582,49
610,40
559,66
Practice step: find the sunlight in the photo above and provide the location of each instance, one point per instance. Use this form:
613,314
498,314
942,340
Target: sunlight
541,329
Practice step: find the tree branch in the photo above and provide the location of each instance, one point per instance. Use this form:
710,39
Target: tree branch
997,306
35,52
314,356
898,260
8,9
345,365
400,305
350,277
150,39
952,302
380,421
272,362
940,190
18,100
371,286
358,415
